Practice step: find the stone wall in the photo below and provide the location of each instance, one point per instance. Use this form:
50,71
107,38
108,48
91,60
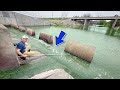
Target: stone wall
7,17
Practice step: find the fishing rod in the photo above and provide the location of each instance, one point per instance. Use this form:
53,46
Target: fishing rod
49,45
54,54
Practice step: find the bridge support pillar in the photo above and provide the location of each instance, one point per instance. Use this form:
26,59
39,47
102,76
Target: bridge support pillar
112,29
86,24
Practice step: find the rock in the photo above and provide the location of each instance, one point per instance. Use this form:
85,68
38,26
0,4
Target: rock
14,25
2,26
53,74
8,57
22,29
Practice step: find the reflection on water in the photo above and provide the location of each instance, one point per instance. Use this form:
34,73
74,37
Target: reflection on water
98,29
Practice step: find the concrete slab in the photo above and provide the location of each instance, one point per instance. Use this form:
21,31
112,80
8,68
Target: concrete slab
53,74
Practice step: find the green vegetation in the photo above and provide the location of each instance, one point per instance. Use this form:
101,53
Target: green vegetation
118,30
78,27
102,22
117,33
108,31
53,18
111,31
58,23
86,27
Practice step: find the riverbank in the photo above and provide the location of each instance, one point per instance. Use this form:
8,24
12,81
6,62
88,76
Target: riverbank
113,32
117,31
66,22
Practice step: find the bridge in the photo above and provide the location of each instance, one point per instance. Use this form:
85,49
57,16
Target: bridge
87,20
96,18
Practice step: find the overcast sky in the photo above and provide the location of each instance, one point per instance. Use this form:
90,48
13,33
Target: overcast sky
50,14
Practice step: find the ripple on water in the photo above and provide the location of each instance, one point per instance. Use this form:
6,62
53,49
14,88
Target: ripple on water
112,78
46,44
65,58
57,51
100,75
96,78
50,48
61,55
53,50
105,73
70,60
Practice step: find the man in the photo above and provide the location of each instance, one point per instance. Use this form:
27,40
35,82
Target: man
20,49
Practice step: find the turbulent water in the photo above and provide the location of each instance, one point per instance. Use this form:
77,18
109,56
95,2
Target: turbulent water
105,63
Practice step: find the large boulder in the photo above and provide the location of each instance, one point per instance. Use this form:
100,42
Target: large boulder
14,25
22,29
2,27
53,74
8,57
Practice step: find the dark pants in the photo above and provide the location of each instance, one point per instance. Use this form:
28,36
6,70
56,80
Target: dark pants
23,58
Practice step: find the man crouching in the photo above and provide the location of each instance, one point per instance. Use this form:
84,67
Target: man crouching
20,49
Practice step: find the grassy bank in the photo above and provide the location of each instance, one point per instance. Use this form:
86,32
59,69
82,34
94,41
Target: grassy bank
111,31
53,18
117,32
69,26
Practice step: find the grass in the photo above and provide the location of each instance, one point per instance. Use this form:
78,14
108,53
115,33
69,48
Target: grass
53,18
108,31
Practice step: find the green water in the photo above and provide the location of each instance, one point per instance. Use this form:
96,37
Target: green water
105,63
98,29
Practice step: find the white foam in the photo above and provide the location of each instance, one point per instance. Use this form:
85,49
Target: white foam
57,51
99,75
105,73
112,78
53,50
96,78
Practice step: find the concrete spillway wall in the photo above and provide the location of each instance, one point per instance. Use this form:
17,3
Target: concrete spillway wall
8,17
